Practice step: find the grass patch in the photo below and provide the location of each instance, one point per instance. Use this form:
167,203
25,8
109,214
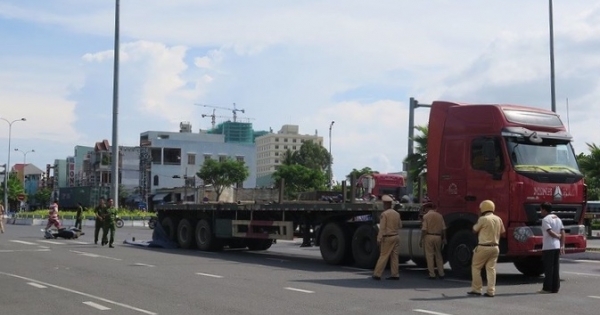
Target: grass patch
88,214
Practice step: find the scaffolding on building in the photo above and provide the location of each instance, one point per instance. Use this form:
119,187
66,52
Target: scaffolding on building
235,132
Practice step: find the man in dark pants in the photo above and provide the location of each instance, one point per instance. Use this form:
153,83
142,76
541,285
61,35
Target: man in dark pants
79,216
99,212
109,218
553,246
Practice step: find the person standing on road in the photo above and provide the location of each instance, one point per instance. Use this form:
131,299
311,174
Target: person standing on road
489,228
1,219
388,240
99,213
79,216
53,216
110,216
433,237
552,247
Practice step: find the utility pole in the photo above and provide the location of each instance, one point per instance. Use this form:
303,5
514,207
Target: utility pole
115,116
330,175
552,84
413,104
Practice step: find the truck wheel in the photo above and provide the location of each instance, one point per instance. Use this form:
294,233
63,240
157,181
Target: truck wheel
460,252
185,234
333,244
169,227
205,239
259,244
364,247
530,266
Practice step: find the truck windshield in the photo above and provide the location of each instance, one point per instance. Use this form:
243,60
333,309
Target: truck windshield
546,157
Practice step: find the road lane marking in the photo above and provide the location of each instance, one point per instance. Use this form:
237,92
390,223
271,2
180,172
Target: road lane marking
96,306
23,242
82,243
142,264
24,250
582,274
298,290
430,312
457,280
594,297
81,293
37,285
208,275
52,242
585,261
93,255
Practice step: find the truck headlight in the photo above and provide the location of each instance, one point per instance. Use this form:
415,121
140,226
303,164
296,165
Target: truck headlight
581,230
522,234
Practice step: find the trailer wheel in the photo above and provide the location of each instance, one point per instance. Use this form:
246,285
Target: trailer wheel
169,227
364,247
185,234
334,244
460,252
259,244
530,266
205,239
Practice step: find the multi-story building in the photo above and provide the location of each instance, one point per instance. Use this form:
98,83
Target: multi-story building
271,147
82,154
30,175
173,156
97,167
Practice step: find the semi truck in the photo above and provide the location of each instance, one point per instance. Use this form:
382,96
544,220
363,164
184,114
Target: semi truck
516,156
381,184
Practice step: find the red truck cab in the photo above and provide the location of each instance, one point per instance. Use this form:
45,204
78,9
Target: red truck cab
381,184
516,156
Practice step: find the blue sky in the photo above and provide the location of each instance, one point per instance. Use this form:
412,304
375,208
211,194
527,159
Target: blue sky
286,62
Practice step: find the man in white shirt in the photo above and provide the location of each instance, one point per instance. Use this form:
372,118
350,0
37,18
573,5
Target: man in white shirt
553,246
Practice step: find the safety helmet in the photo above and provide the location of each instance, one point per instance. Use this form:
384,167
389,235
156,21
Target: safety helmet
387,198
487,206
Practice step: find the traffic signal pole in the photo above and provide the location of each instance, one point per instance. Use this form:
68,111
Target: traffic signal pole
412,105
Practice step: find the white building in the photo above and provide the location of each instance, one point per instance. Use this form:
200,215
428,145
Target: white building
175,155
270,150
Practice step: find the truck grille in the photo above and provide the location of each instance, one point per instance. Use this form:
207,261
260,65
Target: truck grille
569,214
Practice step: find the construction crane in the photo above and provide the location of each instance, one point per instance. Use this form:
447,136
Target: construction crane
234,110
213,118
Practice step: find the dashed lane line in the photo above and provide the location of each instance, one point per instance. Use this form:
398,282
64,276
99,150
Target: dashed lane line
80,242
429,312
93,255
24,250
37,285
299,290
594,297
583,274
208,275
23,242
96,306
51,242
144,265
127,306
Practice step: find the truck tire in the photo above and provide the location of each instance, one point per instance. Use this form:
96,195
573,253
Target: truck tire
259,244
364,247
530,266
460,252
205,239
185,234
169,227
334,245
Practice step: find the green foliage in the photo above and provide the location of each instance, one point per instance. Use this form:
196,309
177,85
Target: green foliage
222,174
15,188
589,165
88,213
298,178
418,159
358,173
310,155
42,196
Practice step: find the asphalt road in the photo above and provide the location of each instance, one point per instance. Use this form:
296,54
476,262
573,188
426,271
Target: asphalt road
38,276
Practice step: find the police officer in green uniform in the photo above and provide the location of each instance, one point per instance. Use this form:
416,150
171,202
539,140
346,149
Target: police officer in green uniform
99,213
110,216
79,215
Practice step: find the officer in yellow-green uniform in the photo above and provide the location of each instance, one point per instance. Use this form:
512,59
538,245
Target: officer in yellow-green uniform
388,240
99,224
489,229
433,238
110,216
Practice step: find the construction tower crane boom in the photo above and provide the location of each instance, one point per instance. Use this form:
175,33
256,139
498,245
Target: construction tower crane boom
234,110
213,118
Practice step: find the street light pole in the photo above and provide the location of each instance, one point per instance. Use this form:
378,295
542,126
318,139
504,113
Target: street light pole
330,175
552,84
24,163
115,114
7,168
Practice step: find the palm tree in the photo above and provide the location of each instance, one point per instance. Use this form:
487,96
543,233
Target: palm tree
418,159
590,167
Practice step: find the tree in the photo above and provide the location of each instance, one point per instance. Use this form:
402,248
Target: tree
15,188
222,174
590,167
311,155
42,196
299,178
418,159
358,173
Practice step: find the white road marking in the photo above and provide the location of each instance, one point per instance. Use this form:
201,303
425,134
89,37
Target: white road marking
52,242
584,261
23,250
208,275
81,293
46,247
23,242
37,285
96,306
82,243
299,290
457,280
142,264
93,255
594,297
430,312
583,274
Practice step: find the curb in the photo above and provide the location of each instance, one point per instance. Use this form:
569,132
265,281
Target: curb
592,249
88,223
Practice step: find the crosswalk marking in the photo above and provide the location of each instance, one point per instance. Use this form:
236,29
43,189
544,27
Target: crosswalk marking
23,242
96,306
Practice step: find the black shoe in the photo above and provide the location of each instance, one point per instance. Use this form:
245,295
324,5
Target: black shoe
376,278
488,295
96,242
431,278
392,278
111,246
474,293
